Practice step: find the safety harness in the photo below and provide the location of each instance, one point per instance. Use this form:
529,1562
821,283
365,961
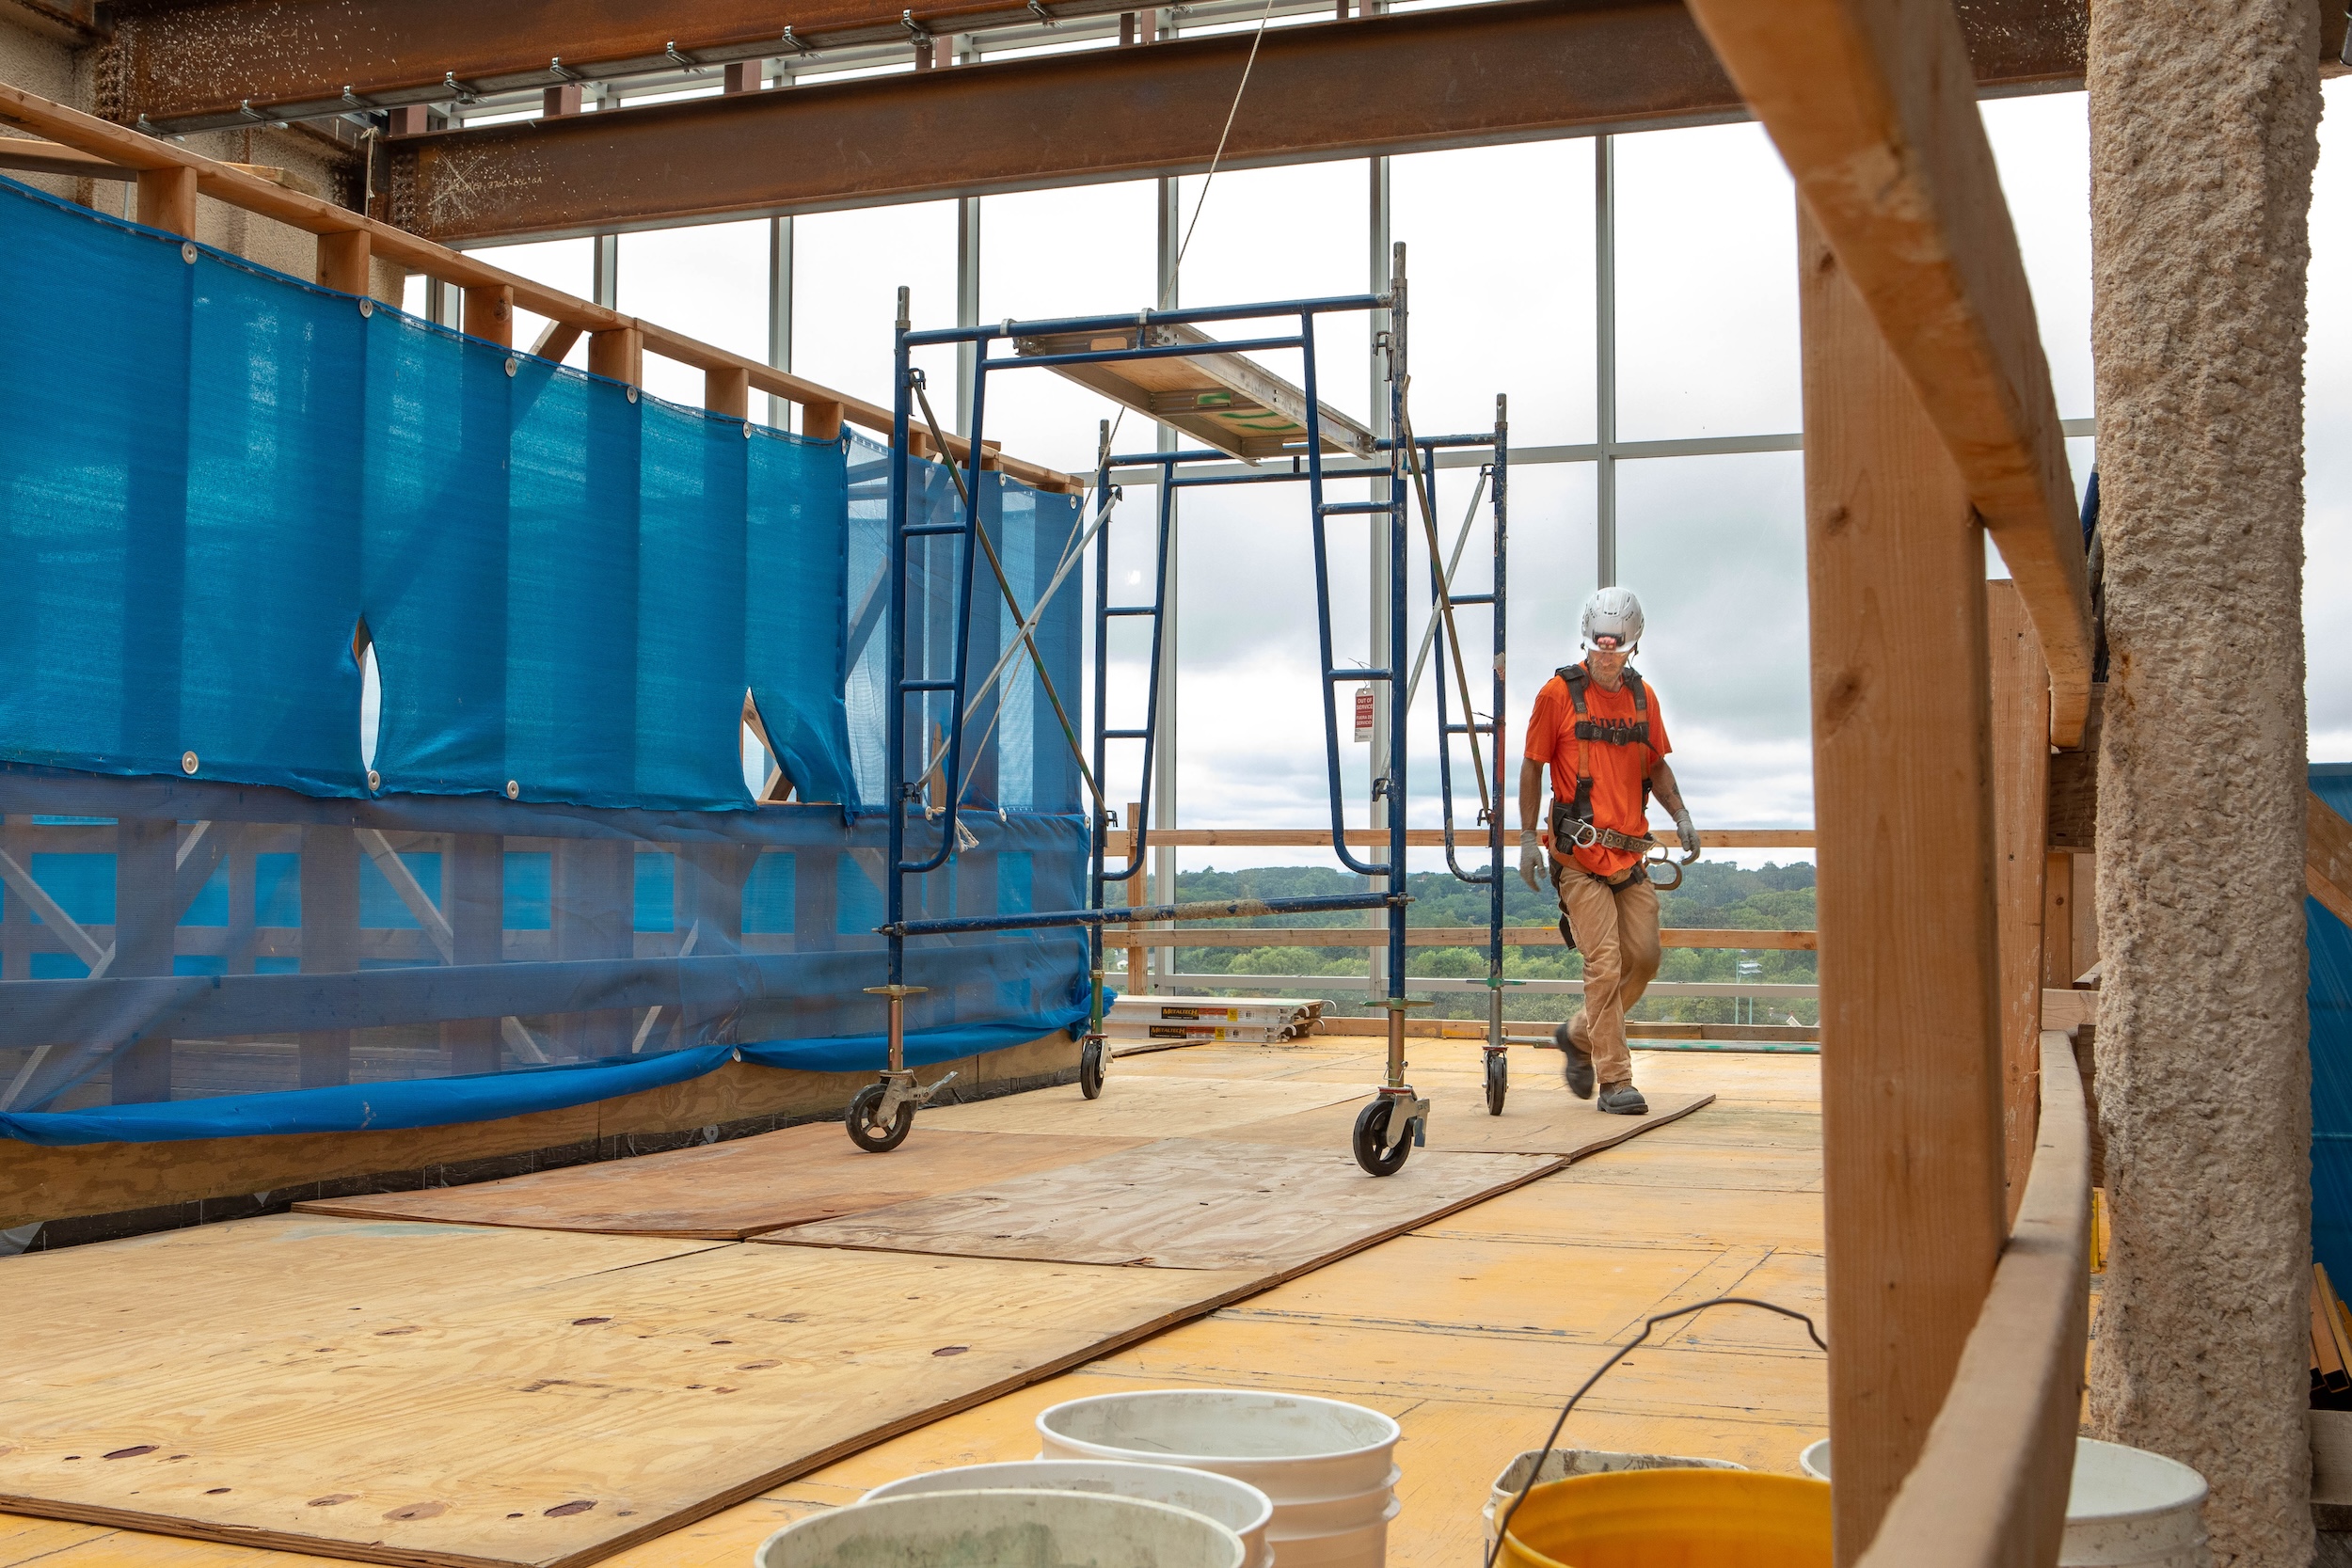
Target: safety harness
1572,821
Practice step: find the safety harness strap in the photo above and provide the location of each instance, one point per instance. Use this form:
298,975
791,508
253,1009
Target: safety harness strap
1607,731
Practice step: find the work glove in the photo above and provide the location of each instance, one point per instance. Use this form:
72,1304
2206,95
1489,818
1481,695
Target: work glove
1688,832
1532,860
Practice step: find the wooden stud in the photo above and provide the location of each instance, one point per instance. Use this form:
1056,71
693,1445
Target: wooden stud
1911,1105
619,354
329,885
2021,779
474,900
145,923
344,262
727,390
744,76
490,314
409,119
2086,938
2058,920
168,200
2328,857
559,100
822,421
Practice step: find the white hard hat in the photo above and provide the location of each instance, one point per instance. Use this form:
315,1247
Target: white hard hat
1613,614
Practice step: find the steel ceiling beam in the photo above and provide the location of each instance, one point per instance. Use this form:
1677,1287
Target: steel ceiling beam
1472,76
195,64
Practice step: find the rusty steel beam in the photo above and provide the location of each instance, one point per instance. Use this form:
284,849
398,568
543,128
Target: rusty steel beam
195,64
1472,75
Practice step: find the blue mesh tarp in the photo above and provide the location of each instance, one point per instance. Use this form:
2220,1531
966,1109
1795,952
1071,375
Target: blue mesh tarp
224,484
2330,1000
222,474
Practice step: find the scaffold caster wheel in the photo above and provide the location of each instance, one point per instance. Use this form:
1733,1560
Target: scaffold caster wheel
1372,1140
871,1134
1090,1070
1498,1081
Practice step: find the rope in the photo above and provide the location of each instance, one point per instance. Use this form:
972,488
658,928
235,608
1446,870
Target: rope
1168,300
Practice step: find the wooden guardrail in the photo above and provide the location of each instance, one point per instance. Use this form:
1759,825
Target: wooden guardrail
1991,1483
171,177
1465,838
1434,936
2328,857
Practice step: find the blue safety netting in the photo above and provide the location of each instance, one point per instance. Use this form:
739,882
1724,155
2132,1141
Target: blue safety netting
223,490
2331,1001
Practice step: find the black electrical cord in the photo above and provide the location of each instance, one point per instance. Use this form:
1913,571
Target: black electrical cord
1502,1521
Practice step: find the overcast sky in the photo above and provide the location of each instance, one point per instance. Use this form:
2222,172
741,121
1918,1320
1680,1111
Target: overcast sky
1501,266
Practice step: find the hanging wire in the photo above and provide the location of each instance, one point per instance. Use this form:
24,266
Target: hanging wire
1502,1520
1168,299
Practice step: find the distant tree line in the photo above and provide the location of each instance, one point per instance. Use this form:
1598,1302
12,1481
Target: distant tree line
1770,898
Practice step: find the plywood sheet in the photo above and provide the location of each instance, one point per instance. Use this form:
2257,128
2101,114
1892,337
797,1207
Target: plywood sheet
547,1425
1537,1118
1185,1203
256,1277
735,1189
1134,1106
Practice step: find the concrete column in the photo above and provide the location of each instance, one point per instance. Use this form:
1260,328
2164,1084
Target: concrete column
2204,127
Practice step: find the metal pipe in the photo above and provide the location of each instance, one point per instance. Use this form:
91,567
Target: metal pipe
1501,643
895,658
1134,320
1323,614
1208,909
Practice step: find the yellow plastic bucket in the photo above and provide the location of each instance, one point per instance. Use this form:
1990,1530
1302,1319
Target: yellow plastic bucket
1671,1519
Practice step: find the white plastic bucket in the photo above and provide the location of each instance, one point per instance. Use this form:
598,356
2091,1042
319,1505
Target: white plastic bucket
1560,1463
1333,1516
2125,1508
2128,1506
1004,1529
1327,1467
1235,1504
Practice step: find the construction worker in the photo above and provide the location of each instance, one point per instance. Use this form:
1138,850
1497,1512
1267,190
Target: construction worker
1597,727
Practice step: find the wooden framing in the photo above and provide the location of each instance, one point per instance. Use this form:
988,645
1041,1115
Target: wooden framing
2021,787
1911,1103
1196,934
1872,104
1418,838
171,177
1992,1479
1225,401
2328,857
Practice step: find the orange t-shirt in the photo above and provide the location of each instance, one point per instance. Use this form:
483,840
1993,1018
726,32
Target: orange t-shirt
1618,801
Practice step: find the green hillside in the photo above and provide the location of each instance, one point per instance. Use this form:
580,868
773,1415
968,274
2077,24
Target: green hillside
1772,898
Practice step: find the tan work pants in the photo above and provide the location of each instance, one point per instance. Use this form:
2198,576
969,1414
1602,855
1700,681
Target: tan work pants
1616,930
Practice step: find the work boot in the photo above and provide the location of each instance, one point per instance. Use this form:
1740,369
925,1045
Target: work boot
1622,1100
1576,1066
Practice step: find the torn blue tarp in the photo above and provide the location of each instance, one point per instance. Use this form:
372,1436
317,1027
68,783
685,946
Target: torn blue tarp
487,1096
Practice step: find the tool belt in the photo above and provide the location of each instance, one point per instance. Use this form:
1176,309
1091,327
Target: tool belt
1571,831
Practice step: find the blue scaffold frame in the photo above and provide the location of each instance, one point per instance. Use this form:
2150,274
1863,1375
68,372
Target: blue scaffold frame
1395,1120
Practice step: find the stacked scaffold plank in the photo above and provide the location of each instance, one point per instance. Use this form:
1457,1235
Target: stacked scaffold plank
1157,1023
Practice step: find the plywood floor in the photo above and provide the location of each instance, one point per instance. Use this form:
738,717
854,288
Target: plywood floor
1466,1328
736,1189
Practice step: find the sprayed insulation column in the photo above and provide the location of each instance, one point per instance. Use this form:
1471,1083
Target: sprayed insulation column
2203,136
